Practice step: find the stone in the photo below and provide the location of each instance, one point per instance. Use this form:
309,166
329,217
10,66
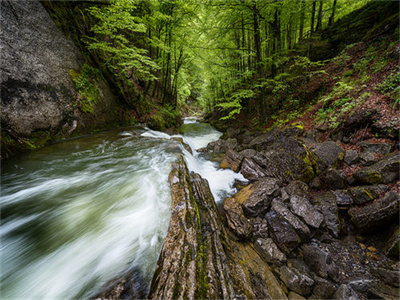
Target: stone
323,289
364,194
326,154
282,232
392,243
360,285
296,281
249,153
230,144
251,170
375,216
236,219
269,251
328,207
301,229
295,296
334,179
350,157
384,171
259,196
232,160
367,158
388,272
263,141
343,198
383,291
316,184
345,292
380,148
298,188
304,209
320,262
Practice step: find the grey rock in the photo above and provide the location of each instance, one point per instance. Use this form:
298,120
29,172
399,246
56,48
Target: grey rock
392,243
334,179
343,198
264,190
236,219
249,153
328,207
361,284
384,171
302,230
367,158
350,157
383,291
380,148
304,209
388,272
269,251
230,144
364,194
345,292
298,188
251,170
282,232
375,216
320,262
323,289
296,281
327,154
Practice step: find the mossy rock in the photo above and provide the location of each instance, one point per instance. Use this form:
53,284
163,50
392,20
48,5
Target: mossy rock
384,171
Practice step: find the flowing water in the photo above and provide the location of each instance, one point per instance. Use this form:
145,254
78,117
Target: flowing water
77,214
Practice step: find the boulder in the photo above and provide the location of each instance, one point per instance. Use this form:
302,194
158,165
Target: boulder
350,157
323,289
373,217
296,281
269,251
392,243
320,262
298,188
360,284
328,207
383,291
364,194
295,296
325,155
345,292
367,158
301,229
302,207
236,219
251,170
374,147
232,160
388,272
334,179
384,171
282,232
263,141
259,196
249,153
343,198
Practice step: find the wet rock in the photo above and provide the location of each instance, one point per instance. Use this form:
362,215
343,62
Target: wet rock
364,194
323,289
298,188
392,244
180,141
320,262
382,291
328,207
373,217
350,157
334,179
343,198
261,229
304,209
236,219
326,154
360,285
269,251
251,170
367,158
301,229
296,281
260,196
380,148
282,232
388,272
384,171
232,160
345,292
230,144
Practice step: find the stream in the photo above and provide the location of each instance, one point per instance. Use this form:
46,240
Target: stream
80,213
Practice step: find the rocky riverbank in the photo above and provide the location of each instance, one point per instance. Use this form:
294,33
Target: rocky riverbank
323,215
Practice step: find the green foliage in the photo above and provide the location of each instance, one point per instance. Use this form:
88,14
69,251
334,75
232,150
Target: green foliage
85,84
391,83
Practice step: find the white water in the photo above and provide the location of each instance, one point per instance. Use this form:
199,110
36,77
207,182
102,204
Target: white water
77,214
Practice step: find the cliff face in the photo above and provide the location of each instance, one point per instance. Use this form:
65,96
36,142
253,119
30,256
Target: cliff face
38,96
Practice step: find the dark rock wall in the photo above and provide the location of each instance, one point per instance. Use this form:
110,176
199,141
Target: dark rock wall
37,93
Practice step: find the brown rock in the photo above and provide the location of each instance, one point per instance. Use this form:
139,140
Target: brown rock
236,219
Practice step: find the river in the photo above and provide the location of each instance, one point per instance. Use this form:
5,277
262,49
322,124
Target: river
79,213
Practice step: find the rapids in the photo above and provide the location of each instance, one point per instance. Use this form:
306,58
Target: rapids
77,214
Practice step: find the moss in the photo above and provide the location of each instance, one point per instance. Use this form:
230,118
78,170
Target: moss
373,177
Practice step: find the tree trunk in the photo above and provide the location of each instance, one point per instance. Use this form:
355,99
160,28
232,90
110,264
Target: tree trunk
319,22
332,17
312,17
302,17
